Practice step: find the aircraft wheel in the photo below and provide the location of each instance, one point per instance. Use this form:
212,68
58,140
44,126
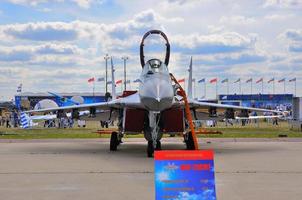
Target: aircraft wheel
158,145
150,149
114,142
189,141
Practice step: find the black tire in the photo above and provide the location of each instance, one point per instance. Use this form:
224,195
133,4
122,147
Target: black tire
158,146
150,149
114,141
189,141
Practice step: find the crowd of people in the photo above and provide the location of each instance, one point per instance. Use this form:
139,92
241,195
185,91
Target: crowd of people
61,120
10,119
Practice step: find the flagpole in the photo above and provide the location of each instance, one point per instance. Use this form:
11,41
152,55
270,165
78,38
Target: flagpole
205,89
252,87
274,86
262,87
93,86
125,58
216,88
106,62
228,87
240,86
295,87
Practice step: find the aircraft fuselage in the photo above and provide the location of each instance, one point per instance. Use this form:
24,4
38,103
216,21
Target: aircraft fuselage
156,90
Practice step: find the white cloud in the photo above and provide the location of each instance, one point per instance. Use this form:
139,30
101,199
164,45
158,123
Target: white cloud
28,2
211,31
40,31
45,55
283,3
213,43
276,17
295,47
232,58
15,55
293,34
237,20
63,31
63,49
294,39
81,3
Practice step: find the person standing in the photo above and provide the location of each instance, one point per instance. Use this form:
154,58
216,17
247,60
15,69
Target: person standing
8,122
16,119
275,121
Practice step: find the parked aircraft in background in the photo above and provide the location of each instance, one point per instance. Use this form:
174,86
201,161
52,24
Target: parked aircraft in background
76,100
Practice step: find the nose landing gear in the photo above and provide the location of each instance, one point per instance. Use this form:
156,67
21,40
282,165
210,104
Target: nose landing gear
150,148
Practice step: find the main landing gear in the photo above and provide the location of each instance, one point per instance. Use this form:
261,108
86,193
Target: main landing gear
115,140
189,141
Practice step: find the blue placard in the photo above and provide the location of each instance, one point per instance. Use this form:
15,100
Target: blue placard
184,175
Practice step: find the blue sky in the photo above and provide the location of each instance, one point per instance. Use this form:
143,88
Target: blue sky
58,44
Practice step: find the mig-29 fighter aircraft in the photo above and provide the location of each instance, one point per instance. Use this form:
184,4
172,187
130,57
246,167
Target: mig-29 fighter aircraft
155,108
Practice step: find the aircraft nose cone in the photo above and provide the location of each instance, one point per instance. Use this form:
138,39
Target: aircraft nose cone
157,94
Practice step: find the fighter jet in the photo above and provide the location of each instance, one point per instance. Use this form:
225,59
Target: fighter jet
155,108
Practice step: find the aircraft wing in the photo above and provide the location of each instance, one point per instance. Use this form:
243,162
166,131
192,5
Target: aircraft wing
132,101
261,117
197,104
42,117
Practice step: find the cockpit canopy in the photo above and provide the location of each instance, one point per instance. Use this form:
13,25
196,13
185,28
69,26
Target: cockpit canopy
154,66
154,63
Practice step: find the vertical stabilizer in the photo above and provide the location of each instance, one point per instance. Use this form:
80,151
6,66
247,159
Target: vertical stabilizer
113,93
190,81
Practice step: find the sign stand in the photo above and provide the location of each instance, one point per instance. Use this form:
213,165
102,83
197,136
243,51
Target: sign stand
184,175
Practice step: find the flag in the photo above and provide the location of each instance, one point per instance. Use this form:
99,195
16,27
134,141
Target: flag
282,80
260,80
292,80
137,80
118,82
214,80
202,80
225,80
181,80
109,82
91,80
238,80
19,88
271,80
101,79
249,80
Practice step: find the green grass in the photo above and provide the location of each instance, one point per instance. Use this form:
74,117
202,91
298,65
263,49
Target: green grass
250,131
254,132
51,133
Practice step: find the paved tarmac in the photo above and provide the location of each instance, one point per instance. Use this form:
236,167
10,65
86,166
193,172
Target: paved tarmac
246,169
